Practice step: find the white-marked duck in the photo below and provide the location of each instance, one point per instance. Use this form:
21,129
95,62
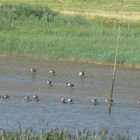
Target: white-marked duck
52,72
63,100
5,97
49,82
27,98
35,98
33,70
94,101
139,101
69,84
108,100
69,100
81,74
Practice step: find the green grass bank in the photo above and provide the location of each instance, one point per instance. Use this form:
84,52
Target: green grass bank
82,5
89,8
35,30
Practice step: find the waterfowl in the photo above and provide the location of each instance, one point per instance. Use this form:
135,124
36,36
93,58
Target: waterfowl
26,98
35,98
69,100
49,82
32,70
108,100
139,101
81,74
94,101
5,97
52,71
69,84
63,100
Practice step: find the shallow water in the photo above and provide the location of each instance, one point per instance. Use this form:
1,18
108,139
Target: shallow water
17,81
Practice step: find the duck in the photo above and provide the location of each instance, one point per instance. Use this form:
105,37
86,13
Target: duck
94,101
33,70
5,97
35,98
26,98
63,100
52,72
108,100
81,74
139,101
69,84
69,100
49,82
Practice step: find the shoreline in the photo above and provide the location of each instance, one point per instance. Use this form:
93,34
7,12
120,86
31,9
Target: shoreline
75,60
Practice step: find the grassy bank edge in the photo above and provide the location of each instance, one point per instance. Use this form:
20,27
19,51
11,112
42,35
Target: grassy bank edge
73,59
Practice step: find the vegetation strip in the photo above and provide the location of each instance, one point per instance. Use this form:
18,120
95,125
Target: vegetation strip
58,134
34,30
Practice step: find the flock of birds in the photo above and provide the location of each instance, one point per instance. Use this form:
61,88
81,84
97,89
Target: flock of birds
64,100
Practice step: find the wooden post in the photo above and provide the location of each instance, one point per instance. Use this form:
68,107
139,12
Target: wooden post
115,60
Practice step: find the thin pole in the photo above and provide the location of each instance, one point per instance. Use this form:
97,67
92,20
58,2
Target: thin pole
115,60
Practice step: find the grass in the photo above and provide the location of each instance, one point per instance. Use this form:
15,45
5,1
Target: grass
83,5
57,134
35,30
89,8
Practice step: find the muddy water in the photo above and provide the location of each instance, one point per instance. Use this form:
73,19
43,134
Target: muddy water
17,81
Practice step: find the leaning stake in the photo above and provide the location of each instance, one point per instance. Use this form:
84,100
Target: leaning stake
115,60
